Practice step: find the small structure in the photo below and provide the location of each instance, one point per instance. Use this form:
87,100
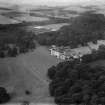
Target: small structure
56,51
67,53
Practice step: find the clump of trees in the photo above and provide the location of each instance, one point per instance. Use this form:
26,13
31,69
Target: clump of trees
77,82
17,37
4,96
84,28
95,55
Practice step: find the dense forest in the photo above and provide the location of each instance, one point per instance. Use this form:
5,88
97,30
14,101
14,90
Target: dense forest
82,29
79,82
14,40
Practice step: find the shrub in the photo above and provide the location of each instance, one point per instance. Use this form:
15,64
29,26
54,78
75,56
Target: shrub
2,55
4,96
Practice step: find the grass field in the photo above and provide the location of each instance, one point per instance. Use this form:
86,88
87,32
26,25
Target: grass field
29,18
27,72
55,26
6,20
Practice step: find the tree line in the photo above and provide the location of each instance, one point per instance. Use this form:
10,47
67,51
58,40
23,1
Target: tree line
77,82
15,40
88,27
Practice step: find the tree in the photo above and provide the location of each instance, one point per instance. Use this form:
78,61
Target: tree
78,84
64,100
18,36
51,72
101,48
2,55
87,58
4,96
12,52
88,27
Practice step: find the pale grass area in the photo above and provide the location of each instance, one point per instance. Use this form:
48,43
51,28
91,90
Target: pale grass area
55,26
28,72
6,20
29,18
76,8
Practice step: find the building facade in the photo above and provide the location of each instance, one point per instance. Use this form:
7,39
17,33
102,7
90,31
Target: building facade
67,53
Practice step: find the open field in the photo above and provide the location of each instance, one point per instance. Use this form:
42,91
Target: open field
27,72
46,28
3,11
6,20
29,18
55,26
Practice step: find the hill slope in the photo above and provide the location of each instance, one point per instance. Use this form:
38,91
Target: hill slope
27,72
84,28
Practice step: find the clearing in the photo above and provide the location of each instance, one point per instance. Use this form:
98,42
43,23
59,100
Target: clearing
28,72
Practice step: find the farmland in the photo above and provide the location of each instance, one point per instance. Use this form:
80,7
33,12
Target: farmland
49,16
6,20
30,18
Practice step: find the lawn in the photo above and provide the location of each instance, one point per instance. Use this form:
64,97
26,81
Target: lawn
27,72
